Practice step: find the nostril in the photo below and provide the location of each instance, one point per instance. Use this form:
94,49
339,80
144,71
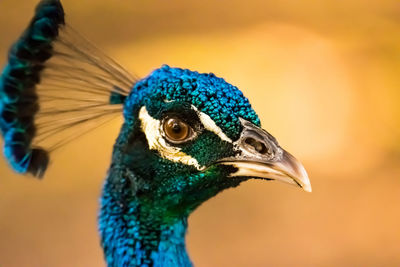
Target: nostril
257,145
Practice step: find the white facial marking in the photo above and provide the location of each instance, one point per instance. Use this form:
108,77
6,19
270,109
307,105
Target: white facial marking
152,130
210,125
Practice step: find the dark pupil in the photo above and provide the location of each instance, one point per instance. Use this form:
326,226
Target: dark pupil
176,127
176,130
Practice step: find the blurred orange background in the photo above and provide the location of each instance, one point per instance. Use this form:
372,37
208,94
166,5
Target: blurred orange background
324,76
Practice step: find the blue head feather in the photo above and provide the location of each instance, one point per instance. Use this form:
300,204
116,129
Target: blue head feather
223,102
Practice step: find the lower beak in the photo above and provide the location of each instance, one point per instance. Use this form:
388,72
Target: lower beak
288,170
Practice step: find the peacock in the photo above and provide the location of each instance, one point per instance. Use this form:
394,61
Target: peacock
185,137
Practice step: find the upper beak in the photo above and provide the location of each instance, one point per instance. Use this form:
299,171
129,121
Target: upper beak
260,156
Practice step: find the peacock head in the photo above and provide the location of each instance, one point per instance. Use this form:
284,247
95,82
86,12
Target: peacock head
189,136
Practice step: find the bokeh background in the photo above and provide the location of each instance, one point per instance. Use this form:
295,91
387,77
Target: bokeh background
324,77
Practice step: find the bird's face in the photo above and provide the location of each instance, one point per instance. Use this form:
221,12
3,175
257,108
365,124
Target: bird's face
190,135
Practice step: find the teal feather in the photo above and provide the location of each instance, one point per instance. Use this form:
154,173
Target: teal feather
17,88
37,107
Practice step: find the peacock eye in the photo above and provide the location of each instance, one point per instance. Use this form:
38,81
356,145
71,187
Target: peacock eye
176,130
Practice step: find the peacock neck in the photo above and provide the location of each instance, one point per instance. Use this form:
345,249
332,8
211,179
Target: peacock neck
133,234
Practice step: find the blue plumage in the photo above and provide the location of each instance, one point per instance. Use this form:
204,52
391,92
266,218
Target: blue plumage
223,102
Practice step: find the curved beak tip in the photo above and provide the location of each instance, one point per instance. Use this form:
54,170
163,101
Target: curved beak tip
301,177
293,171
307,187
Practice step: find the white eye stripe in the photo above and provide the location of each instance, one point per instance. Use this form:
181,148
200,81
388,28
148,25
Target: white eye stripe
152,130
210,125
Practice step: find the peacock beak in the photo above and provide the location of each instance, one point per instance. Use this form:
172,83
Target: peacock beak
260,156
